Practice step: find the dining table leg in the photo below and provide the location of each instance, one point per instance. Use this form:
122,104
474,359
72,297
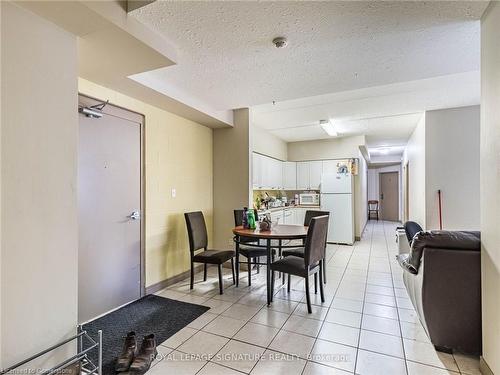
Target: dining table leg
237,250
268,272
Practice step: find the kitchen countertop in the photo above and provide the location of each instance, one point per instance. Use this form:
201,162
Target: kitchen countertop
274,209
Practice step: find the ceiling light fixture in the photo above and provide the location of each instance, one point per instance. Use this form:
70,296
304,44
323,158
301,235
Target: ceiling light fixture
280,42
328,127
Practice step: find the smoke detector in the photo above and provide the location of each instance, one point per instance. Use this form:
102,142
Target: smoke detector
280,42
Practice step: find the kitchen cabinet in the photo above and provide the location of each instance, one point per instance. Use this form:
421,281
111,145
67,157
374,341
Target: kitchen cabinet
302,175
288,216
315,171
329,166
309,175
257,170
289,175
267,173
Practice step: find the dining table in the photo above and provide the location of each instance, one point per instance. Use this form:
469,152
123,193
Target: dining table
279,237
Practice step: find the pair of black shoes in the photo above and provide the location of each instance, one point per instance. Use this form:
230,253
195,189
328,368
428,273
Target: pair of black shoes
134,359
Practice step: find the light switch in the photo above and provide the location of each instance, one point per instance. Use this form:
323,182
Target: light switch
174,193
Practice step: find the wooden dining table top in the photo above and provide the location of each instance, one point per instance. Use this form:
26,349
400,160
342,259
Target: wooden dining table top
282,231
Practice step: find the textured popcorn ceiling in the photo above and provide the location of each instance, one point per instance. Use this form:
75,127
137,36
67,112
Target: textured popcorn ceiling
226,58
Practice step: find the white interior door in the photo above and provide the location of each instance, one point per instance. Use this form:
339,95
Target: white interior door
109,199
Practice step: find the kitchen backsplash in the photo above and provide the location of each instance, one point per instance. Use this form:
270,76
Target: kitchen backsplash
260,195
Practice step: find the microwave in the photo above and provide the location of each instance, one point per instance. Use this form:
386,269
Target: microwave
309,199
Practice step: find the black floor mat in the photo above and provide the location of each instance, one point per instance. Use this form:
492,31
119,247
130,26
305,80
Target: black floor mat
150,314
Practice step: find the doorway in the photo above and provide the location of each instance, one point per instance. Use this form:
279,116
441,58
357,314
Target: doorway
110,206
389,196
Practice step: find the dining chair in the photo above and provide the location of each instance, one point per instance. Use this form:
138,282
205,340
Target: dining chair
245,246
311,263
299,251
198,240
372,208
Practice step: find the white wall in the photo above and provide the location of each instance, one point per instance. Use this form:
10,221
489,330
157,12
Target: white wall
374,184
452,165
490,186
38,192
415,156
268,144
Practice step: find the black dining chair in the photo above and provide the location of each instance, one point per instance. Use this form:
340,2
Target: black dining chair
198,240
299,251
246,249
311,263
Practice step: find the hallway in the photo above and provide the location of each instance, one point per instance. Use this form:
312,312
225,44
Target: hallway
366,326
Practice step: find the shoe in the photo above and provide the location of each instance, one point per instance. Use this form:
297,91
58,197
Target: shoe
128,353
146,355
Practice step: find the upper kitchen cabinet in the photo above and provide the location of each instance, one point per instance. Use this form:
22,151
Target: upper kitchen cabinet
329,166
315,171
303,175
267,173
257,171
289,175
309,175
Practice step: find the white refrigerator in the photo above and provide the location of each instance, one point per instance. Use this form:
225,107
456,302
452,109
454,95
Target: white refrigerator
337,198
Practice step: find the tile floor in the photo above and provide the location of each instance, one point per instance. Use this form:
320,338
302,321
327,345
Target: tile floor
366,326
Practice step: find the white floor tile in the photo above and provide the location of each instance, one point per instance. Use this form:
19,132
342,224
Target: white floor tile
381,311
313,368
216,305
381,343
425,353
467,364
224,326
369,363
239,356
292,343
340,334
256,334
203,344
273,363
179,338
215,369
177,363
270,318
347,304
202,320
303,325
382,325
415,368
334,355
241,312
348,318
317,311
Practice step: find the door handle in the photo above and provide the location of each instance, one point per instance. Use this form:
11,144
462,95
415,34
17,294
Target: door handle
382,196
134,215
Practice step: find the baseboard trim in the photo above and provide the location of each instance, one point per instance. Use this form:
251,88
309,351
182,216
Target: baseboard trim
484,368
171,281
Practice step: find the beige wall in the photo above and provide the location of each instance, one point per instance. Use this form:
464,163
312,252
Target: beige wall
452,165
268,144
232,182
490,184
337,148
178,156
415,156
39,178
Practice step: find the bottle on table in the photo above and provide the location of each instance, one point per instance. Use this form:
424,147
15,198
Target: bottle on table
244,221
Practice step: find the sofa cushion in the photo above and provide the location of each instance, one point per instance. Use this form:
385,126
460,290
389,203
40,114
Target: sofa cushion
411,229
441,239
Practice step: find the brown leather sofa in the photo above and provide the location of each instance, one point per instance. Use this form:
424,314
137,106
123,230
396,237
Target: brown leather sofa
442,274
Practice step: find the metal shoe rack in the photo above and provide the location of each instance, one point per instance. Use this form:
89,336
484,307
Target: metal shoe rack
81,358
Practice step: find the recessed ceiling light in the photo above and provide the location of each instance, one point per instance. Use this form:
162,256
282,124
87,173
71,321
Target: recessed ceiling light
328,127
280,42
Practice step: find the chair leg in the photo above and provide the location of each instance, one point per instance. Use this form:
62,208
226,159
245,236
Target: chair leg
221,285
249,264
321,291
308,298
205,272
258,264
324,270
232,270
272,285
315,283
289,282
191,285
283,280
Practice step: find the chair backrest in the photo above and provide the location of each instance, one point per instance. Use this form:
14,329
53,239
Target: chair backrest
373,205
238,217
411,229
197,230
310,214
315,245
